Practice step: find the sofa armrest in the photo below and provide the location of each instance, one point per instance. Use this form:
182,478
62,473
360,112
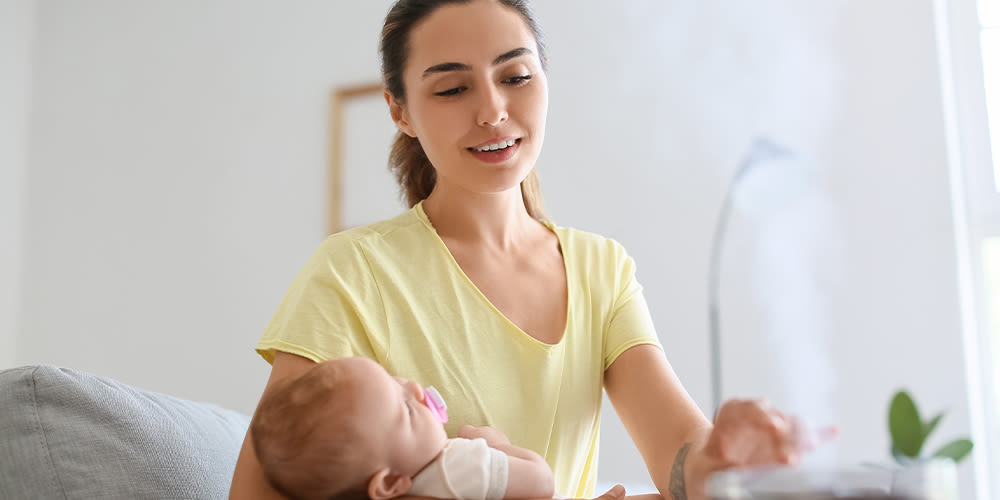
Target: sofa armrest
70,434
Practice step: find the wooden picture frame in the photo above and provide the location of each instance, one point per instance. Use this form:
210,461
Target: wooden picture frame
359,119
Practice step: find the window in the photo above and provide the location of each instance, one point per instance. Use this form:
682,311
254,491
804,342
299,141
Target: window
989,23
991,268
989,35
969,33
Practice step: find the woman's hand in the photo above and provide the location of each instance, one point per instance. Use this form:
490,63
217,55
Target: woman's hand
617,492
751,432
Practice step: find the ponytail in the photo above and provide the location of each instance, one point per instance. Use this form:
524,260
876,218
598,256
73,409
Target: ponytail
531,191
413,171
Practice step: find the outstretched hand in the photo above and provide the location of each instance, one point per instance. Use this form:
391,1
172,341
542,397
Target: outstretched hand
751,432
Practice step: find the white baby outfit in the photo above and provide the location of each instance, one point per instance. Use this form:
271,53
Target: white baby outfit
466,469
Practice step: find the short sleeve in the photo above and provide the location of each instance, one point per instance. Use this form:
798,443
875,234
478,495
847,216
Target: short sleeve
331,310
631,323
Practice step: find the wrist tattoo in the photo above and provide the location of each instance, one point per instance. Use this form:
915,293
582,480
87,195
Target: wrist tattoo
677,488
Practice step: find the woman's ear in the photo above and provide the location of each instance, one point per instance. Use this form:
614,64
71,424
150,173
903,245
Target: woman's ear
386,484
399,114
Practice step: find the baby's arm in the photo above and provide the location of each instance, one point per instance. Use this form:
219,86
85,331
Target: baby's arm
528,476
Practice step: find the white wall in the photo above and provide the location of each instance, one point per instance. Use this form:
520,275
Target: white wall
178,181
177,163
831,298
15,58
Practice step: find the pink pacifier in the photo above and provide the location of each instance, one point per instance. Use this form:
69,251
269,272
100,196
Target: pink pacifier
434,401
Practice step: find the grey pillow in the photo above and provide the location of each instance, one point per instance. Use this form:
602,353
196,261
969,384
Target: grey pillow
69,434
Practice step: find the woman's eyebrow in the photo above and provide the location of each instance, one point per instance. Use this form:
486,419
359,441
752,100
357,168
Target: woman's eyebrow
455,66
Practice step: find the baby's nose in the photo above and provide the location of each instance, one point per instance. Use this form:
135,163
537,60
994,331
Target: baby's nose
418,392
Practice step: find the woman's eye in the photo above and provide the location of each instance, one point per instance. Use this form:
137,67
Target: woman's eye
518,79
450,92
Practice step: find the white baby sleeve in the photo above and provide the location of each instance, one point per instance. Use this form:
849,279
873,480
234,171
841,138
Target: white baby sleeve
467,469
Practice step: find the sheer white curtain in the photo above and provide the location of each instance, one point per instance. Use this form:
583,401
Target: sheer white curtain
969,37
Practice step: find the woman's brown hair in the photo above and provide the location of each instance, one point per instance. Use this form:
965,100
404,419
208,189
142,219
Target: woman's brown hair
407,160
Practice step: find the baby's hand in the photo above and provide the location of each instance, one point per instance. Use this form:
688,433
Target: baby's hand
492,436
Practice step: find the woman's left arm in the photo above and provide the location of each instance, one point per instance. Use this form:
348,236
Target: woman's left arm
664,422
680,447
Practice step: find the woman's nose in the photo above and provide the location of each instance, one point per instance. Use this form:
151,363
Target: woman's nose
492,109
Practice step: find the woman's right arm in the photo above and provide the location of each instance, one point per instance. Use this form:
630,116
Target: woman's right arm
248,479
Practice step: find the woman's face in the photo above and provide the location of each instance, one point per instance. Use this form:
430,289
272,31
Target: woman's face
476,96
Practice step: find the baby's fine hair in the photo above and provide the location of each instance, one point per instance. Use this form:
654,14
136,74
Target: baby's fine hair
305,450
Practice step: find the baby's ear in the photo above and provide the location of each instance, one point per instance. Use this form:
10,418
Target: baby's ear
386,484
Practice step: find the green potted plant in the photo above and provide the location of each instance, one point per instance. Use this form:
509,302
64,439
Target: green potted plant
909,434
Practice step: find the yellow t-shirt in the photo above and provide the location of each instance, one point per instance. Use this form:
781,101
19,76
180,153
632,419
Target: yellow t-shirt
391,291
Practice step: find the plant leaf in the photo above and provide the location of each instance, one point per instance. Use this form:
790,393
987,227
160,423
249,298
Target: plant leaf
956,450
932,424
905,426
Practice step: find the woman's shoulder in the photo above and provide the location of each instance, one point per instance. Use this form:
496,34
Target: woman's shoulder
376,233
361,244
579,242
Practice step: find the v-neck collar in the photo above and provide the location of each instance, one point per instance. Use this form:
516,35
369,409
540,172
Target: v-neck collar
419,210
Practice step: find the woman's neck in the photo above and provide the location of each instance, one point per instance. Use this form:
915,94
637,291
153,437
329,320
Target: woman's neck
497,220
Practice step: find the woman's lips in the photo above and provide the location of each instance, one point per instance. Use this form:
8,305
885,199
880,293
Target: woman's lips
497,156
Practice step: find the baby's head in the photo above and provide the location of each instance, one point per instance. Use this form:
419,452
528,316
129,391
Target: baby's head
345,429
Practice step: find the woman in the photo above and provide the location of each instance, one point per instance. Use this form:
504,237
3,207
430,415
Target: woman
521,324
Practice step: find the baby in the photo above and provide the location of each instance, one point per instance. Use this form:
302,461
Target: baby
347,429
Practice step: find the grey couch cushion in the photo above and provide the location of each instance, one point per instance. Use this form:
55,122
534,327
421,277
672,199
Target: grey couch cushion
69,434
